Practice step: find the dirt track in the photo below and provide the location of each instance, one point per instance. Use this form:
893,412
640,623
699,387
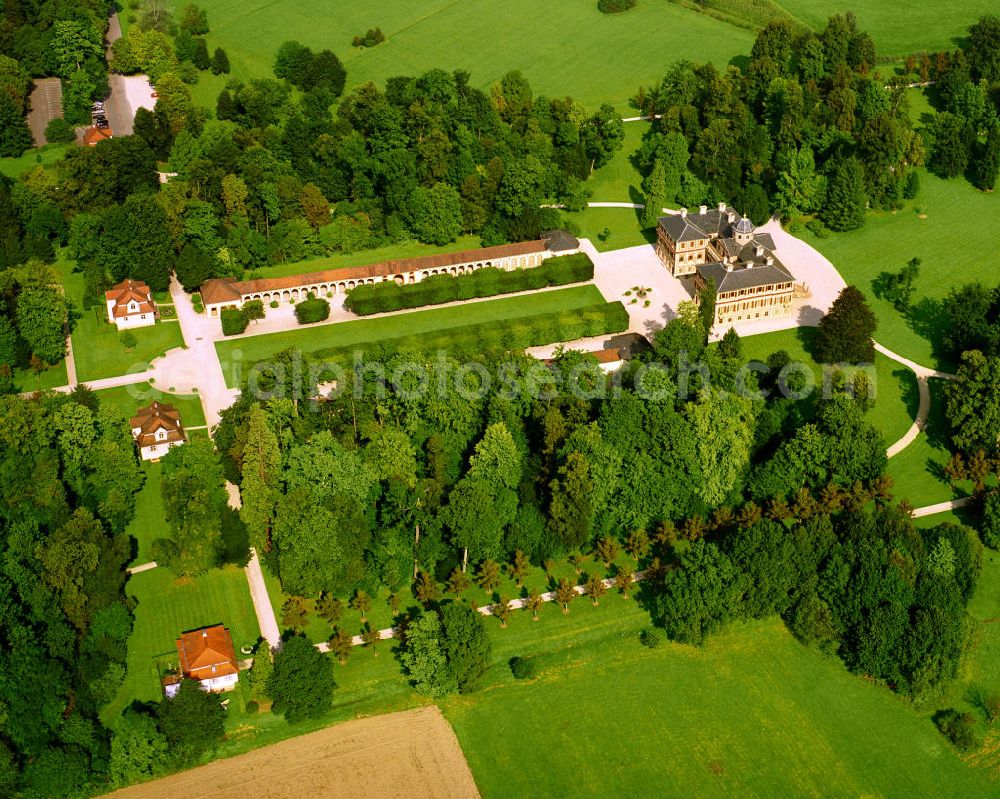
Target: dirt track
409,754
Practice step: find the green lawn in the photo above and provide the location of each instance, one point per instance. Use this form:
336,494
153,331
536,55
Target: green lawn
149,522
622,224
238,354
166,607
620,181
564,47
898,26
955,247
896,398
127,399
52,377
917,470
405,249
752,713
39,156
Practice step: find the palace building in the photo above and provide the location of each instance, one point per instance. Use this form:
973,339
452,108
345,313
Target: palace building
218,294
721,246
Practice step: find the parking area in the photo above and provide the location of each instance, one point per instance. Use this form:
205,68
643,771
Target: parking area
44,104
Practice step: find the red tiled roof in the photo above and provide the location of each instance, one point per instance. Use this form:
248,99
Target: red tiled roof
130,291
228,290
157,416
91,136
207,653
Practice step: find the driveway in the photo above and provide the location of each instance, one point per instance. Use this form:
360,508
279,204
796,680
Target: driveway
128,93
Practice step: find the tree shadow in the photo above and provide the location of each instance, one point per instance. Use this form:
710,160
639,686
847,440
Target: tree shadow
927,319
909,390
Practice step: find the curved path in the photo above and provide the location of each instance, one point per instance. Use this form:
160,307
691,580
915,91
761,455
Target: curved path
923,409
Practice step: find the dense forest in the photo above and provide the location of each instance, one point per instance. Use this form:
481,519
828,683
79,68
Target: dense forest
810,126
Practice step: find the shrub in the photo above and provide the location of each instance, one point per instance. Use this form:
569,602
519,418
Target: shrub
521,668
60,131
372,37
795,228
614,6
487,282
234,321
127,339
274,303
252,707
818,229
314,309
959,728
650,638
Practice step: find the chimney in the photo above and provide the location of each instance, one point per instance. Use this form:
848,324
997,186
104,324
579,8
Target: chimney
770,261
702,209
729,266
750,265
722,208
732,217
684,213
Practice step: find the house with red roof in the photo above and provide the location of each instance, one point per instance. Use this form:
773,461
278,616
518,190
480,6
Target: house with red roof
207,655
130,304
94,136
156,428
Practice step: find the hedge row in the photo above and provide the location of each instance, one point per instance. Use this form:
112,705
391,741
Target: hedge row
514,334
234,321
562,270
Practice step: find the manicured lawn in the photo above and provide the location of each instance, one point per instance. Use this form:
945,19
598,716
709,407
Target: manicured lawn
752,713
166,607
897,26
955,247
405,249
620,181
917,470
99,353
52,377
39,156
622,224
149,522
896,396
563,47
127,399
346,334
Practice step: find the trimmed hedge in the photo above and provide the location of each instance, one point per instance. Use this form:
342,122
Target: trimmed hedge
234,321
516,334
371,298
314,309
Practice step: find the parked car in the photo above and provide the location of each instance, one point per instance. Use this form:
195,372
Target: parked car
97,109
102,124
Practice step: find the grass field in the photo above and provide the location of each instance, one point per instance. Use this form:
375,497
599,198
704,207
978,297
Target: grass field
752,713
954,243
896,397
622,225
52,377
149,522
898,26
564,47
917,471
619,180
166,607
241,353
39,156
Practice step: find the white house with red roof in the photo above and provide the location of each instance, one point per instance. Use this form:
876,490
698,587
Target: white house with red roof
156,429
130,304
208,656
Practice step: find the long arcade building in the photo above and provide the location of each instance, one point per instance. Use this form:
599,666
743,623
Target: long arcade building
220,293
